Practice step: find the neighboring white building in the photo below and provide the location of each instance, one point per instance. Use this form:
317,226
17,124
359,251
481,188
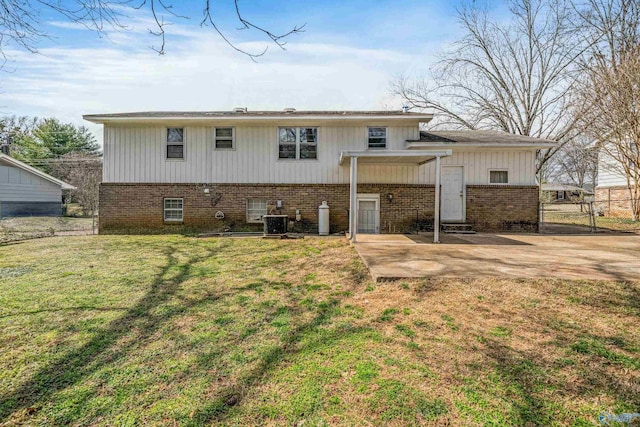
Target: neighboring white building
613,197
225,170
26,191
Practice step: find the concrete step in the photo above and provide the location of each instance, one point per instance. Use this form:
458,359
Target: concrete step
457,228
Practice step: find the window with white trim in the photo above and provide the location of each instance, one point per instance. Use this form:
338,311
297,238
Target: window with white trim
377,137
498,177
560,195
173,209
225,138
298,143
256,209
175,143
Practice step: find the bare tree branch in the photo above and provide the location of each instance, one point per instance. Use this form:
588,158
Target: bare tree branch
21,21
516,77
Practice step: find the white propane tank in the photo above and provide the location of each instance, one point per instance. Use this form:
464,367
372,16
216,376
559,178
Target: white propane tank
323,219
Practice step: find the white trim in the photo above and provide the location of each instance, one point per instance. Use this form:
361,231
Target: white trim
298,143
233,138
369,197
37,172
394,153
246,210
248,117
419,146
353,194
165,209
386,138
498,170
464,191
184,144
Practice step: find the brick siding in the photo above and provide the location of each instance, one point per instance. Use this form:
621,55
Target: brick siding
614,201
503,208
139,207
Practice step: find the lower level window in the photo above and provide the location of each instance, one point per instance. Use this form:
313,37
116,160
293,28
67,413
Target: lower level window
498,177
173,209
256,209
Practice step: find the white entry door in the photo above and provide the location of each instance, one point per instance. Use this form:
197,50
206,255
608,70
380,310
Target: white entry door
368,214
452,193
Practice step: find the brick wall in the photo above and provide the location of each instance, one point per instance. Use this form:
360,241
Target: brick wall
502,208
614,201
139,206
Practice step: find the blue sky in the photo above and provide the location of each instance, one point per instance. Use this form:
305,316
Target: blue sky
349,52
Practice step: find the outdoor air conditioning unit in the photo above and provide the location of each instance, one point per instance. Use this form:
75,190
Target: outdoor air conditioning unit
275,224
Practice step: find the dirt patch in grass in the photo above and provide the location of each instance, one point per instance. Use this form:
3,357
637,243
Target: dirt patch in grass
25,228
168,330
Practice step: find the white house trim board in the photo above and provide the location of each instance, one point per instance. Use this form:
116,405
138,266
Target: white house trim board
17,163
457,194
366,197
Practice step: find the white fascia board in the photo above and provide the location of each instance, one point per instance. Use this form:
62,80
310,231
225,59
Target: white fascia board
540,145
394,153
307,118
37,172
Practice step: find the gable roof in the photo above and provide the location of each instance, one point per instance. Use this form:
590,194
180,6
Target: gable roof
17,163
480,138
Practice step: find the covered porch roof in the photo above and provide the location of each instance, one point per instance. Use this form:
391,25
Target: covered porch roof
415,157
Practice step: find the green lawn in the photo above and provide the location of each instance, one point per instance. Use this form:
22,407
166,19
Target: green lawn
609,223
170,330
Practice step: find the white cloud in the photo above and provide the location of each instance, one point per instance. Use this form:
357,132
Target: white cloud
199,72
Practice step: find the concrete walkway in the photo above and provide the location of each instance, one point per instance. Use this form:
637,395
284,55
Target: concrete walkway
599,256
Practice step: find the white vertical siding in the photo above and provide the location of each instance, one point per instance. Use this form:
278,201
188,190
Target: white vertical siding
477,164
137,154
610,172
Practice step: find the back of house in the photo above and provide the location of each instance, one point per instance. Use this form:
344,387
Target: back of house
222,170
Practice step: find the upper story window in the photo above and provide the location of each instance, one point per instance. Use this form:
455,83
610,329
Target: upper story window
225,138
298,143
175,143
498,177
377,137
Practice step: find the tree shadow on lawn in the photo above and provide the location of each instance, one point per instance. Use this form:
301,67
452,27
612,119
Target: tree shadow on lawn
232,395
531,380
140,319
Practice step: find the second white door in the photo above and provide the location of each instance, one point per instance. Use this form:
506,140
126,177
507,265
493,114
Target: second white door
452,193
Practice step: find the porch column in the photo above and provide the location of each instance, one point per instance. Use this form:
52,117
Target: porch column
353,197
436,214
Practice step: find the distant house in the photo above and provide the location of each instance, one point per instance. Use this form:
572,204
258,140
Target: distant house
378,172
25,190
564,193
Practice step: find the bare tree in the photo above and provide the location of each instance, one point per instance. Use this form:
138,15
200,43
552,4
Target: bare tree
576,162
21,20
610,88
516,77
83,171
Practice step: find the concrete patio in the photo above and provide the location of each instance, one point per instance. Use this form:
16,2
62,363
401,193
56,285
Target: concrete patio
596,256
